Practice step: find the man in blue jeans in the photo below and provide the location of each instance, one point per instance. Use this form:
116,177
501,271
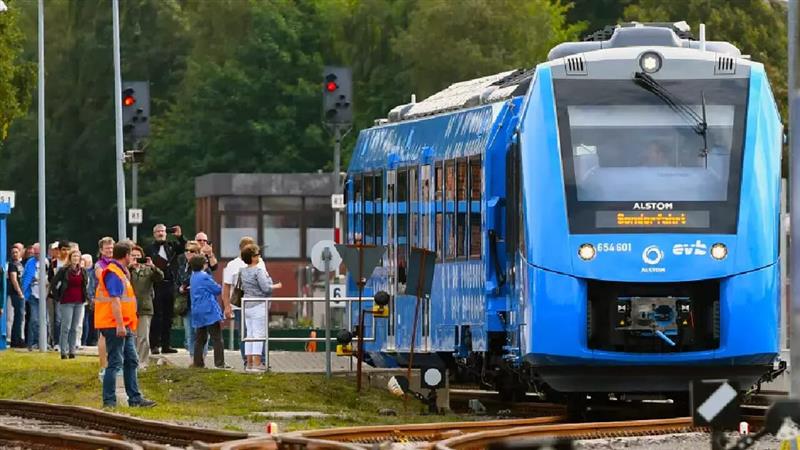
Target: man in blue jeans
30,290
115,318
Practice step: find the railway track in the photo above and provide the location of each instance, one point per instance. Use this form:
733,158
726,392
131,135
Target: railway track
116,430
422,433
468,435
593,430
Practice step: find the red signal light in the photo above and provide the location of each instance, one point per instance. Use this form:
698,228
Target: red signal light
128,100
331,86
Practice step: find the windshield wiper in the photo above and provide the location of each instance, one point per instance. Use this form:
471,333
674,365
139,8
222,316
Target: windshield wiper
697,122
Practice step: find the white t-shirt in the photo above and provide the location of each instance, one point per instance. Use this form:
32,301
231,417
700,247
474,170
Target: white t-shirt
233,267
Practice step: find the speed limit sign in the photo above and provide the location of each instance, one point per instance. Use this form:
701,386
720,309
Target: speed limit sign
338,291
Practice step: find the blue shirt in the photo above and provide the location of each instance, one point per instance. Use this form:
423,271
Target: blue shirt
114,284
204,292
27,277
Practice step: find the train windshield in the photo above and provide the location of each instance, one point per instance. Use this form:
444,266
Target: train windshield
633,161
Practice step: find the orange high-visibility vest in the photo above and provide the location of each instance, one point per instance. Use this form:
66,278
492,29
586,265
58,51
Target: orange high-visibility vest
103,315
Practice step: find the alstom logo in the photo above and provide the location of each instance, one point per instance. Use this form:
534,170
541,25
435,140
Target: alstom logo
652,206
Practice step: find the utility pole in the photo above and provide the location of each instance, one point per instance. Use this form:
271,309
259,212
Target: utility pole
337,114
135,105
42,217
794,177
120,153
337,188
135,198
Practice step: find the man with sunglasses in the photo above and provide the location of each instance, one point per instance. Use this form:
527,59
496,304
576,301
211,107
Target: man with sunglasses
164,254
207,250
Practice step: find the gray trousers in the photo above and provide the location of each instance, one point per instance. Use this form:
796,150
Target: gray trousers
71,315
143,339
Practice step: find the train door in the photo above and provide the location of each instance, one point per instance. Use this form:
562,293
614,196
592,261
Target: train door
424,241
415,239
390,240
515,241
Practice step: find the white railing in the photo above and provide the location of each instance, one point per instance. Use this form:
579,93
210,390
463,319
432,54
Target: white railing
267,301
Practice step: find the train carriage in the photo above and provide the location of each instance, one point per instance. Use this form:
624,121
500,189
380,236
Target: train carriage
607,222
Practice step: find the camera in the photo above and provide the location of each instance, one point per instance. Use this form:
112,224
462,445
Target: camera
141,260
171,230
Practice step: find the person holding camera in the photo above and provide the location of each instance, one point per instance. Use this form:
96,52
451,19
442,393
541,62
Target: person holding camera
207,250
164,255
144,276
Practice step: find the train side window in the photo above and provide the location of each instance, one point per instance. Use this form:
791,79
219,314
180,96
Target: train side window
369,211
461,207
349,210
450,209
402,224
378,208
424,206
439,209
358,214
475,190
414,208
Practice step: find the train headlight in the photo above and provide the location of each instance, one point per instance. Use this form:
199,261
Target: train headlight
586,252
650,62
719,251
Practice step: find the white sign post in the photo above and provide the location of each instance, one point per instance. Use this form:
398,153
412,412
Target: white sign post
337,291
8,196
326,259
337,202
135,216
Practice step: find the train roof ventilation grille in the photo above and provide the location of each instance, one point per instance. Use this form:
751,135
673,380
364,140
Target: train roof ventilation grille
726,65
576,65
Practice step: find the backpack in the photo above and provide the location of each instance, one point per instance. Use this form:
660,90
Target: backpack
238,292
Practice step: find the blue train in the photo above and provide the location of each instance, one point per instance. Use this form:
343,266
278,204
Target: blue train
604,223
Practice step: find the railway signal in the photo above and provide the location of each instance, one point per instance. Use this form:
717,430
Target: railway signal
136,109
337,95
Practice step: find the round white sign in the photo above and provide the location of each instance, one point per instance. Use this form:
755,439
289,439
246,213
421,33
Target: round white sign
432,377
316,255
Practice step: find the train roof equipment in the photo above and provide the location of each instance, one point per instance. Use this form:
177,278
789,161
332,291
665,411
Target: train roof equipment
636,34
512,83
466,94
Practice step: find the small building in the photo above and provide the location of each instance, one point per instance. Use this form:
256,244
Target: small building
287,213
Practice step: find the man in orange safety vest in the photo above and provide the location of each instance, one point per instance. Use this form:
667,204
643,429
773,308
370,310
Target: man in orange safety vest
115,318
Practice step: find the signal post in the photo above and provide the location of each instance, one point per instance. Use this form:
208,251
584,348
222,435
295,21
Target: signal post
337,115
135,126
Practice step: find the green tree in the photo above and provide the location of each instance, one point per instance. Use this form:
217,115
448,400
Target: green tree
361,34
756,27
79,115
17,76
597,14
450,41
252,104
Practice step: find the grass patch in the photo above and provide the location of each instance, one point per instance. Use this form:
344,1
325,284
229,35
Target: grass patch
213,397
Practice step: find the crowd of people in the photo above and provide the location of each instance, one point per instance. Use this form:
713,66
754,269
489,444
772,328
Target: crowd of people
125,302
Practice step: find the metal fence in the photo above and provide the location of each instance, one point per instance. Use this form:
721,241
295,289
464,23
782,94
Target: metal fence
267,301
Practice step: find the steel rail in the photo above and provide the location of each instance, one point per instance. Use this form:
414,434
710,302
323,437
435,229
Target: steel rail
591,430
61,440
130,427
280,443
427,432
